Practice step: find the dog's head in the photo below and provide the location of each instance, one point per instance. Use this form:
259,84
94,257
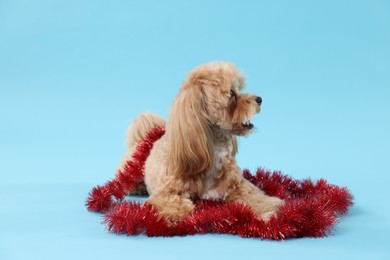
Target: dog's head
217,87
209,100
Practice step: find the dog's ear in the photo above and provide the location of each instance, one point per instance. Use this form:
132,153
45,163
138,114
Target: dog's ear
191,151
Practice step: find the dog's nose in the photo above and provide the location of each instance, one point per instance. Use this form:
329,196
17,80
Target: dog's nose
259,100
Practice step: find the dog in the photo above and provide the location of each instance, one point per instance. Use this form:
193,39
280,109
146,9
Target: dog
195,158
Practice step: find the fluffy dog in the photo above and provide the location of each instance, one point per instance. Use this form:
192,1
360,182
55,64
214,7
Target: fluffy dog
195,158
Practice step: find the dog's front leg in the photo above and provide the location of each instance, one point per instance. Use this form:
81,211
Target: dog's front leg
263,206
172,207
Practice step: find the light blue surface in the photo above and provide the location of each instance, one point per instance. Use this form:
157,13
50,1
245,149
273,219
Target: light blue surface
73,74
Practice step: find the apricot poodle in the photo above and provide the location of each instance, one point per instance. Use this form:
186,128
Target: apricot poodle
195,158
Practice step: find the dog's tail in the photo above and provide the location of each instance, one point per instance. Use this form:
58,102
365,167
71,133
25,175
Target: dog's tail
141,126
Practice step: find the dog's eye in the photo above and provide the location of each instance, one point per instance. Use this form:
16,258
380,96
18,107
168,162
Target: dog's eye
232,93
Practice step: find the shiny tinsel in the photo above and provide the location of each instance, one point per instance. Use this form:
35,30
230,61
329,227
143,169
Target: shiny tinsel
311,208
100,199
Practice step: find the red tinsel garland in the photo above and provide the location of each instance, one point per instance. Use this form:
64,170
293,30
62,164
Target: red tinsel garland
310,208
100,198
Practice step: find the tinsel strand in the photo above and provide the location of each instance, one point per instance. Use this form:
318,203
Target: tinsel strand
100,199
311,209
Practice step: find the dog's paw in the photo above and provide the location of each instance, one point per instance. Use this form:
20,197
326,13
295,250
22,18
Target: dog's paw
267,215
269,208
173,216
172,208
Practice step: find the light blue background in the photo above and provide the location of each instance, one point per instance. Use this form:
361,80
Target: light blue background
73,74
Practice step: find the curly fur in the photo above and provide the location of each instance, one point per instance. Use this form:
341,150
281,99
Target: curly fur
195,158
